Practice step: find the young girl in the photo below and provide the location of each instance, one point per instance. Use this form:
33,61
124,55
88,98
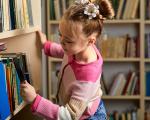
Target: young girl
79,90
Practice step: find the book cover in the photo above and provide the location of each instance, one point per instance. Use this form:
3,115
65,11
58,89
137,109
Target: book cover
4,103
19,70
147,83
29,7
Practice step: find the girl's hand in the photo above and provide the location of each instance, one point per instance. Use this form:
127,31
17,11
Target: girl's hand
42,37
27,92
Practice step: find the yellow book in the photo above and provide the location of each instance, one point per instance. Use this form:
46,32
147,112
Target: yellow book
25,13
120,9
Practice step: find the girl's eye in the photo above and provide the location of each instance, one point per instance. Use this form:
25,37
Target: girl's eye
69,42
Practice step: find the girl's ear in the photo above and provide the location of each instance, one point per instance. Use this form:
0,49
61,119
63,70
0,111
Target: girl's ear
91,40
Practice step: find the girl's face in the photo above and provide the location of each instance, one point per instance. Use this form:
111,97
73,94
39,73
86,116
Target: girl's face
72,38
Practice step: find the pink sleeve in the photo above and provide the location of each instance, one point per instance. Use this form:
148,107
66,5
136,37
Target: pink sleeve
53,49
45,108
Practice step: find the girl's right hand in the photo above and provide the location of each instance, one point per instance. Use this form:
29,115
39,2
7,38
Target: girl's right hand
42,37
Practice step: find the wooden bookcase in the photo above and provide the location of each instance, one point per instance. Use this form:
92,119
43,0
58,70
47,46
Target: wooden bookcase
138,26
25,40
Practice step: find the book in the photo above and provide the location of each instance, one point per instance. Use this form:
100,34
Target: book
121,2
19,70
30,15
12,14
147,83
4,103
1,16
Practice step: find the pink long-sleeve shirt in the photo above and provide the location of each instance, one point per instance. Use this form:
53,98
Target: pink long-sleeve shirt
80,91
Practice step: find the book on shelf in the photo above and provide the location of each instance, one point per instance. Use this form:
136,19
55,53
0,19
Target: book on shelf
120,9
119,47
103,85
126,115
118,84
147,45
147,83
4,103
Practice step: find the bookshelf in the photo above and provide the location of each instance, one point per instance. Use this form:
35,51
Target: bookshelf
25,40
136,26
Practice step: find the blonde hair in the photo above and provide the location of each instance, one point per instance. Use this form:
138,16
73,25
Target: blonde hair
75,14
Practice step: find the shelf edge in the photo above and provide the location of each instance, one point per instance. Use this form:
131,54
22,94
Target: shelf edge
18,32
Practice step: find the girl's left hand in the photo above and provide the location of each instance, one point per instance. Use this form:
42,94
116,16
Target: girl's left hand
27,92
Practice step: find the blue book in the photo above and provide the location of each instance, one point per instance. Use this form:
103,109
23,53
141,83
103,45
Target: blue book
147,83
4,102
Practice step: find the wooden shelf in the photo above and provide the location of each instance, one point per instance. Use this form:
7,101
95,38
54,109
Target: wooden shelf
121,97
147,22
20,107
122,21
55,22
147,60
18,32
121,59
55,59
147,98
105,59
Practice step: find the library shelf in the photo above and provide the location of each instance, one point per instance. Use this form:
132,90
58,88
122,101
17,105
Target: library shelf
147,60
147,22
147,98
105,59
115,21
122,97
20,107
18,32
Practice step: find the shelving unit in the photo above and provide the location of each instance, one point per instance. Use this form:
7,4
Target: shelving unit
138,26
20,107
25,40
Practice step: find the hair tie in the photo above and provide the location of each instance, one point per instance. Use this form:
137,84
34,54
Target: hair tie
91,9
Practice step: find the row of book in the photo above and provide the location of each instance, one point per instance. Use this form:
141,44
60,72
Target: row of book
58,7
126,9
147,45
122,84
129,115
119,47
13,71
15,14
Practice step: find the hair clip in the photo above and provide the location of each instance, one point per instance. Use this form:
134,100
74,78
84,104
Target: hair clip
91,10
82,1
